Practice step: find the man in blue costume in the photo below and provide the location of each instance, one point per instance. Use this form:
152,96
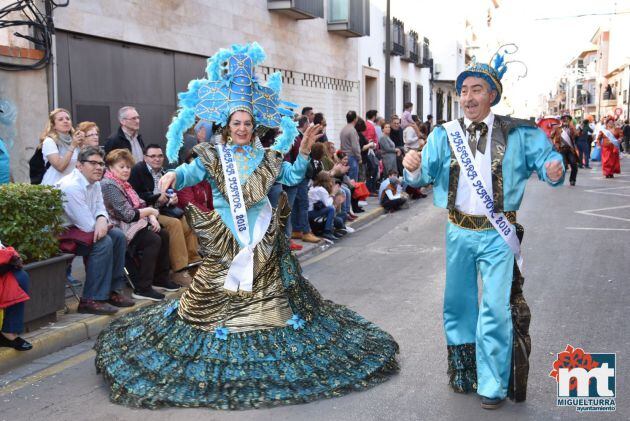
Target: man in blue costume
498,155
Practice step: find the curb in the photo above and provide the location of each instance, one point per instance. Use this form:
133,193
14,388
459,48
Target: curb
77,328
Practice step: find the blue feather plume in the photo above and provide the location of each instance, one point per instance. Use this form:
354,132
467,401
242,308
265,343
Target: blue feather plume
185,119
275,82
284,142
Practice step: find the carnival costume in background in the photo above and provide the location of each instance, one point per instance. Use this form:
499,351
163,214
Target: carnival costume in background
488,343
609,145
251,331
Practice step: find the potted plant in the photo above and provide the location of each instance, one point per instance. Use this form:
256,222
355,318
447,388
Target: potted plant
30,222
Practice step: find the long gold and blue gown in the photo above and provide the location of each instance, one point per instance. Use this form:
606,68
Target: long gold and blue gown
281,344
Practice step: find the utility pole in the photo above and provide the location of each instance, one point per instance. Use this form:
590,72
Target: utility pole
388,48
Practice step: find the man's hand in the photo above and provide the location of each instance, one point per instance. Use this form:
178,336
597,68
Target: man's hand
412,161
154,224
554,170
311,134
100,228
168,180
173,200
161,201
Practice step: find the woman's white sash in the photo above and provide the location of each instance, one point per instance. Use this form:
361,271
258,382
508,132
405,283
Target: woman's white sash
611,137
240,276
478,187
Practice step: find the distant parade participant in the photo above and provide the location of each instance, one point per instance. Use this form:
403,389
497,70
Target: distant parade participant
608,140
479,166
568,148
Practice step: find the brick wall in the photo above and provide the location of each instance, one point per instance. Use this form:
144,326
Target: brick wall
332,96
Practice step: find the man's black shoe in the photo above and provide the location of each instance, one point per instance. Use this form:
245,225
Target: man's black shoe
18,343
491,403
329,236
166,286
149,294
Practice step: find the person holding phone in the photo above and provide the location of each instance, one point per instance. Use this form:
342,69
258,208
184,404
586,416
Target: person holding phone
60,146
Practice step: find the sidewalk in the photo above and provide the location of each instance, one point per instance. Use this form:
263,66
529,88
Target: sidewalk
72,328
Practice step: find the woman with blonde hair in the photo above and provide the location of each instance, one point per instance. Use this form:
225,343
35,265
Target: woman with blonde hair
60,146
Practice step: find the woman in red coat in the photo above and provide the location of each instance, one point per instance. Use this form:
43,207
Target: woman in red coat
609,144
13,287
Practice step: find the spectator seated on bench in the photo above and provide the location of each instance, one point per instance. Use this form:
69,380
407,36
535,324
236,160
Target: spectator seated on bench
324,198
84,212
141,227
183,244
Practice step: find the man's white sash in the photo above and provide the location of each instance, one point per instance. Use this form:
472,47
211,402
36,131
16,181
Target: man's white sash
473,176
240,276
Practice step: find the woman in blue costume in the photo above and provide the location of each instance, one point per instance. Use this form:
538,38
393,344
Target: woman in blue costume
251,331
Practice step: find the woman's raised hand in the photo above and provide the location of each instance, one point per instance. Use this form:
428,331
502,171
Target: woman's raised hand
311,134
168,180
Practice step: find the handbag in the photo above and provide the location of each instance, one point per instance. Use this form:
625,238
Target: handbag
172,211
361,191
75,241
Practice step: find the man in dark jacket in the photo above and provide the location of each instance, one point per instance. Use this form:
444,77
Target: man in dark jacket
127,136
183,245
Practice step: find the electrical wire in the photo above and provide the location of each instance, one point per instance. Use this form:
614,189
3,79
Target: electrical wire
40,28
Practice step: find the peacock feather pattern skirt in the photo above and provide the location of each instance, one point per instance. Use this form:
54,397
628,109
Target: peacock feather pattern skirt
170,354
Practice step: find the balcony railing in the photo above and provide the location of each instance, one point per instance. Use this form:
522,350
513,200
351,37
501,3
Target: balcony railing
349,18
411,47
607,95
426,53
298,9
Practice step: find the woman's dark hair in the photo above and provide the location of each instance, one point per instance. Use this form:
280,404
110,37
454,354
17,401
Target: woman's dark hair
318,118
268,137
225,133
360,126
317,151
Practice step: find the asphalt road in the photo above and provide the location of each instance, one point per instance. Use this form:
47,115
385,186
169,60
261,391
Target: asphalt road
392,271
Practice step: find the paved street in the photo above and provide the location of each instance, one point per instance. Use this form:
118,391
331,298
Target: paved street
392,272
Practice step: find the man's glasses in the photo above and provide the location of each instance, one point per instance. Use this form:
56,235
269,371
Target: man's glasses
155,156
132,118
99,163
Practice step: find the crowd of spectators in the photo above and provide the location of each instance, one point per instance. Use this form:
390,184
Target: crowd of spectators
128,231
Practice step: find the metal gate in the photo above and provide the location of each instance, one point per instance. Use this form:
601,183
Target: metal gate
96,77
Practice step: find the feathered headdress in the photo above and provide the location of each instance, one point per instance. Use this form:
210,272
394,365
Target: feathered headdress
491,73
232,85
